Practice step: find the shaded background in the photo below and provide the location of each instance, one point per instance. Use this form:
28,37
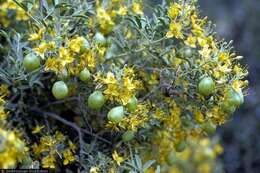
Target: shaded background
239,20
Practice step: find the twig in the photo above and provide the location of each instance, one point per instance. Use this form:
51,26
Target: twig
140,49
59,102
20,5
71,124
68,123
84,113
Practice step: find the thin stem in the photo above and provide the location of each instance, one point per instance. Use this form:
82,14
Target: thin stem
59,102
139,50
20,5
70,124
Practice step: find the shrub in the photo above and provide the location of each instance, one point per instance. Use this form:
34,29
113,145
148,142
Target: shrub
112,88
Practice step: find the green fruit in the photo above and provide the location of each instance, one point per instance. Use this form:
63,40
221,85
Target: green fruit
179,147
31,62
99,38
235,98
84,75
228,107
188,52
96,100
85,45
186,121
132,104
206,86
171,158
116,114
128,136
209,128
60,90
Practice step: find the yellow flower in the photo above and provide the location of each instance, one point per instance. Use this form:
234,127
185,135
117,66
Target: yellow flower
13,149
68,157
37,129
105,21
112,170
238,85
51,45
239,71
191,41
175,30
112,91
48,141
196,25
21,14
137,8
217,115
100,50
72,146
223,56
94,170
3,114
54,65
218,149
49,161
120,87
117,158
205,168
224,68
76,43
177,61
110,78
154,79
174,10
205,52
88,59
159,113
4,90
41,49
203,42
122,11
128,34
36,36
128,83
136,119
65,56
199,116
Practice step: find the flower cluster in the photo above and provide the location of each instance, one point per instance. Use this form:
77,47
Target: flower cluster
51,147
8,6
121,86
12,148
3,93
200,155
